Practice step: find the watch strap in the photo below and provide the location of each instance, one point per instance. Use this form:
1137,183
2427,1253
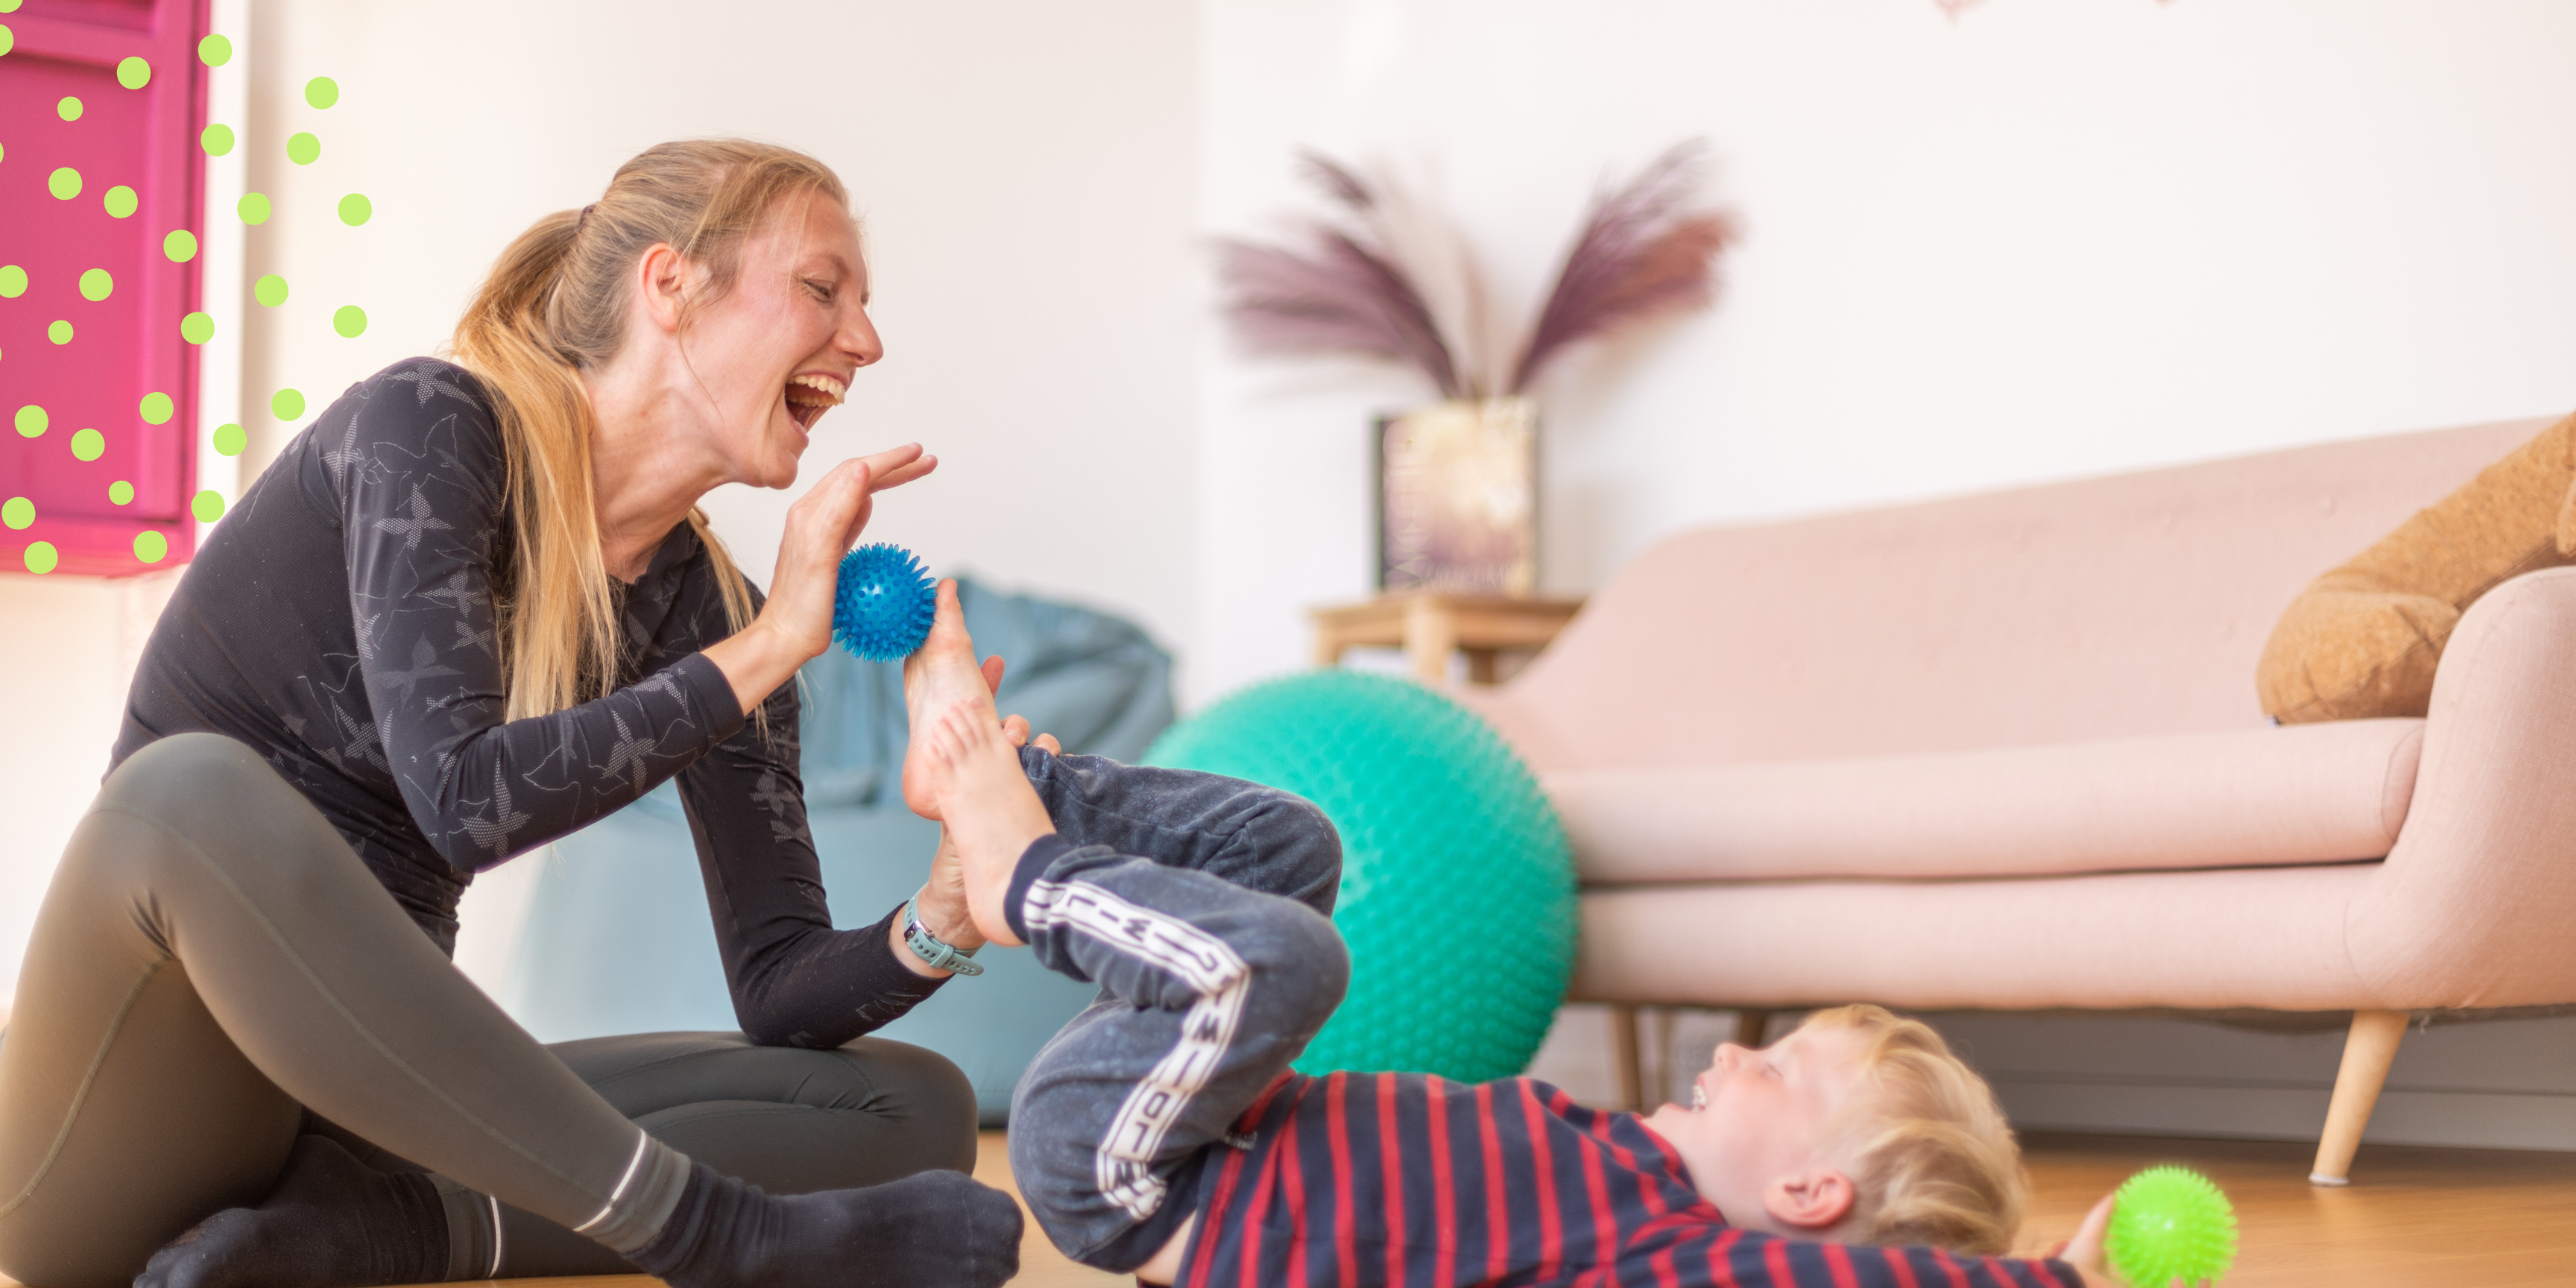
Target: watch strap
933,952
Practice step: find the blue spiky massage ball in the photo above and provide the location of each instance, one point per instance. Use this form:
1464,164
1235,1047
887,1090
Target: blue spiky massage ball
2171,1225
882,609
1457,898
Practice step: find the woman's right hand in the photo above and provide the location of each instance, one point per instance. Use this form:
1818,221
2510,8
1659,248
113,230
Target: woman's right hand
795,626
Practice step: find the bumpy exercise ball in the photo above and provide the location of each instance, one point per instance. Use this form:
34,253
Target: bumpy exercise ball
881,610
1457,895
2170,1223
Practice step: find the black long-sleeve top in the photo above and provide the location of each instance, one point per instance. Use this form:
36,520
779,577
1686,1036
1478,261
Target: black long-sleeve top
340,621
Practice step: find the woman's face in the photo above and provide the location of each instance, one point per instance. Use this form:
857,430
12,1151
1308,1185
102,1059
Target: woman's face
778,350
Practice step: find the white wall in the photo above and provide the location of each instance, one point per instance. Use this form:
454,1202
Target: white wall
2049,238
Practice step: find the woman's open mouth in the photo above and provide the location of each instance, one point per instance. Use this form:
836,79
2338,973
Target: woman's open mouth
811,394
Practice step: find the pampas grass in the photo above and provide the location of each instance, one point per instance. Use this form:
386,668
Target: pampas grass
1389,277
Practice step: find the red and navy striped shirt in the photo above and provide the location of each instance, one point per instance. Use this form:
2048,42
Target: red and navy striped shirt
1400,1180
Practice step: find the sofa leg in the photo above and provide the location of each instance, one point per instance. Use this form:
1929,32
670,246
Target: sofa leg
1624,1055
2367,1052
1751,1027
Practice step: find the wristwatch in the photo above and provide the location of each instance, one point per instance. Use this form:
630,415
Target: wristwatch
927,947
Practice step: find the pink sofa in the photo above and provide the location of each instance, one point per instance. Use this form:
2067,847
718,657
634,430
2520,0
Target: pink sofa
2003,752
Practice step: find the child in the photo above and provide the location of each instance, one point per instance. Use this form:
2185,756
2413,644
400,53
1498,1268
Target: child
1161,1131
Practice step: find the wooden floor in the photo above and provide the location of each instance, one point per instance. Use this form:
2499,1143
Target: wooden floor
2414,1217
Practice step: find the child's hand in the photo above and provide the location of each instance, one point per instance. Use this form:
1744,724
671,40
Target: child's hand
2085,1252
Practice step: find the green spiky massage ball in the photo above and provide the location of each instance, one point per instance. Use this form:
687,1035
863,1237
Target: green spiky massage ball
2171,1223
1457,896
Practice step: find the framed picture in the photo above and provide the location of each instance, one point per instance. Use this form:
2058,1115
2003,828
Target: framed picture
1457,498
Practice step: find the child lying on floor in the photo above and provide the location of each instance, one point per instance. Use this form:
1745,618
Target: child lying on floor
1161,1132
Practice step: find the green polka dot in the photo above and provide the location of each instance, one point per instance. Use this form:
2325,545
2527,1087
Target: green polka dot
208,506
217,140
120,202
303,149
156,408
134,73
286,404
215,51
8,6
32,421
197,328
151,547
269,290
41,558
355,209
253,208
230,439
89,445
59,331
69,108
8,40
96,285
180,245
17,512
321,91
120,492
63,183
13,281
350,321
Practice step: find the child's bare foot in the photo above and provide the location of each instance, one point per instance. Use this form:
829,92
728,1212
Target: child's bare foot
941,675
971,773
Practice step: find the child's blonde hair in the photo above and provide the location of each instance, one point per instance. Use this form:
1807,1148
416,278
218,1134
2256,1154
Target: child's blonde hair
1934,1160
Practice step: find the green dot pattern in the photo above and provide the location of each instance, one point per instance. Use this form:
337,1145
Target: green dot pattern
13,281
63,183
59,331
120,492
180,245
155,408
8,6
197,328
208,506
303,149
269,290
321,91
69,108
120,202
134,73
18,512
217,140
350,321
253,208
32,421
8,40
96,285
151,547
230,439
1457,897
286,404
89,445
215,51
355,209
41,556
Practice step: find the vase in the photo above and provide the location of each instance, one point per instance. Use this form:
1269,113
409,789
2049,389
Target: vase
1457,497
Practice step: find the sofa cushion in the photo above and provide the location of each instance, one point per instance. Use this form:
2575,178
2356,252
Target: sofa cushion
2322,793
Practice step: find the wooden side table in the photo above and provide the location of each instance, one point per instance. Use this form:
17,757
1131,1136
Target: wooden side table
1429,624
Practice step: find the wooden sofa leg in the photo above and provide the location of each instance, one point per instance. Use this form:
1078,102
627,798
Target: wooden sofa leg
2367,1052
1624,1055
1751,1027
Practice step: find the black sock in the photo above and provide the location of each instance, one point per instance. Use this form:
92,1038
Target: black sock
928,1230
332,1222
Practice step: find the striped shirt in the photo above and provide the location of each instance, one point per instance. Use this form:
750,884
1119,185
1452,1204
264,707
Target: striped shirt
1360,1180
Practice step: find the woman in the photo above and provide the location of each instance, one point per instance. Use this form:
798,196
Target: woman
472,609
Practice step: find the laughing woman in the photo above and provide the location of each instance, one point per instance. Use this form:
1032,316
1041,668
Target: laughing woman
472,609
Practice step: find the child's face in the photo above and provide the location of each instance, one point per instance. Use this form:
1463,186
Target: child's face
1756,1136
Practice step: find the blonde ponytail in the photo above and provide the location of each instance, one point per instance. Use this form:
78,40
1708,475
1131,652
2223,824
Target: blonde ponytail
554,305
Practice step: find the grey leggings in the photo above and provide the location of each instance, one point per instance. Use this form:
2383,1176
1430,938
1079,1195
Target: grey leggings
214,971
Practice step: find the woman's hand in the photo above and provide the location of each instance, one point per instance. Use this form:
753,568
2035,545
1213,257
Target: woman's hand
796,624
2085,1250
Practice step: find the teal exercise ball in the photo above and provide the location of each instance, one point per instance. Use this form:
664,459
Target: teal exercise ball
1457,896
